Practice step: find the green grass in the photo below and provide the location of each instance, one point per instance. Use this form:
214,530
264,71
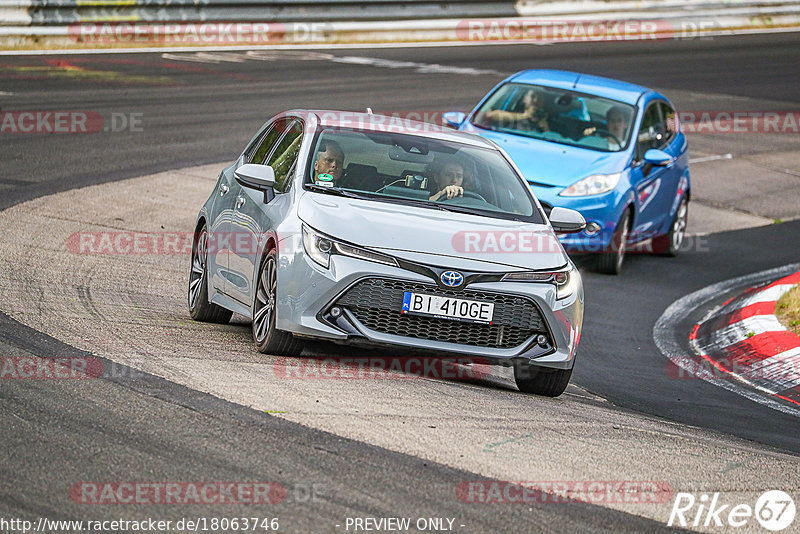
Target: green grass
788,309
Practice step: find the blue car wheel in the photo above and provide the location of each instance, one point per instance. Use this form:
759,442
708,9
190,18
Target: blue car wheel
610,260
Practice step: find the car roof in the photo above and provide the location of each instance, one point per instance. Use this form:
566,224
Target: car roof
628,93
384,123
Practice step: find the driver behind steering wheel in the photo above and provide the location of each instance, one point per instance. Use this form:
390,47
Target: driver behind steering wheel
446,179
616,124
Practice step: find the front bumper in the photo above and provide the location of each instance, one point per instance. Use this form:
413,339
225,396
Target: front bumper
307,292
604,210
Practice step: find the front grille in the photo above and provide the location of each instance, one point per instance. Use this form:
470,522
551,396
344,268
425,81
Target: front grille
376,302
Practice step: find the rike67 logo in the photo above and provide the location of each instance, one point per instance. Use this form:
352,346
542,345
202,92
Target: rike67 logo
774,510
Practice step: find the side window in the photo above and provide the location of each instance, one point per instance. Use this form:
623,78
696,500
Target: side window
284,156
267,142
670,122
653,130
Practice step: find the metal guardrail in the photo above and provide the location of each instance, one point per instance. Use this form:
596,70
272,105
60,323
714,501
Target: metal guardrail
58,12
130,23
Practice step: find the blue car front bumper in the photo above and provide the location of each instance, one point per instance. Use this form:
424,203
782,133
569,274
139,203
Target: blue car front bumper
603,210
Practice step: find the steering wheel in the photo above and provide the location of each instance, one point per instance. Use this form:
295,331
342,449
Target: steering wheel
465,194
602,132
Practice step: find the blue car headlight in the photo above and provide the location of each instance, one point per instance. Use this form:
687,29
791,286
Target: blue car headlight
592,185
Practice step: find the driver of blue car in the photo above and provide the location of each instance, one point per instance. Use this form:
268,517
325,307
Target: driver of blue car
616,125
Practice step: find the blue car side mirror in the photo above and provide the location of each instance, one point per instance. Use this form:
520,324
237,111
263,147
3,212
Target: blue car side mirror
454,119
657,158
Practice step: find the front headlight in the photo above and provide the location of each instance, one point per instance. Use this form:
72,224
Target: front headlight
320,247
592,185
566,282
317,246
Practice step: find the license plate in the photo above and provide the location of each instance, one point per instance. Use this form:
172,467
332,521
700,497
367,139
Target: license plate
447,307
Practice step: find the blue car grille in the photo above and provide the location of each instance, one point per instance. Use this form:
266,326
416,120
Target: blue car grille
376,303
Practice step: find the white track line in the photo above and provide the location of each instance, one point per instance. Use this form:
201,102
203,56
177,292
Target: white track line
710,158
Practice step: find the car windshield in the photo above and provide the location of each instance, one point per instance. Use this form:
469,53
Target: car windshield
419,171
557,115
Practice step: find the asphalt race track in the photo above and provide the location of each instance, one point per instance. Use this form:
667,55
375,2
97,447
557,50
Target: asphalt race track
180,421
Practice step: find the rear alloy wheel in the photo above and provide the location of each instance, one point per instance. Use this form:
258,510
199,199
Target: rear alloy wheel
199,307
610,260
268,339
670,244
541,380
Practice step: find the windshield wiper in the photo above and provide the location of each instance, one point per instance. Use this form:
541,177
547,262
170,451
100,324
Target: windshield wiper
335,191
469,211
412,201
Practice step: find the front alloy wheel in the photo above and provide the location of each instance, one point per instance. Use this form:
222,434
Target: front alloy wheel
677,232
268,339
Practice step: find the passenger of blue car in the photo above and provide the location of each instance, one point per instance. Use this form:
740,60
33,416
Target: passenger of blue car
528,113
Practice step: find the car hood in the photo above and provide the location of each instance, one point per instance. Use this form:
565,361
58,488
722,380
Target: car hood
447,239
553,164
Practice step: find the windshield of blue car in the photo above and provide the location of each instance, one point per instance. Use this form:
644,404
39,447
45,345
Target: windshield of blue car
419,171
558,116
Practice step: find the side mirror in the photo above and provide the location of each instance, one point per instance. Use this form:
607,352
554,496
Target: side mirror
261,177
454,119
657,158
566,221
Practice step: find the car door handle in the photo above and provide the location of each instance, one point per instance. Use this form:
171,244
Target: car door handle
239,202
223,189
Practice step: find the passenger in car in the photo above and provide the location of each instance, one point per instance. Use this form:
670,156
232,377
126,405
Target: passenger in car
329,162
532,117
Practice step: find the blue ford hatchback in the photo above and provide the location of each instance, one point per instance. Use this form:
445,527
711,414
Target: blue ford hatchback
609,149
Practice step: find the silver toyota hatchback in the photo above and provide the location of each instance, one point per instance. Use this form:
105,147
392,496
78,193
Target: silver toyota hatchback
354,227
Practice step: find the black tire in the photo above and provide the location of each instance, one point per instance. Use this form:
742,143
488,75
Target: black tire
670,244
200,308
610,260
268,339
542,381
